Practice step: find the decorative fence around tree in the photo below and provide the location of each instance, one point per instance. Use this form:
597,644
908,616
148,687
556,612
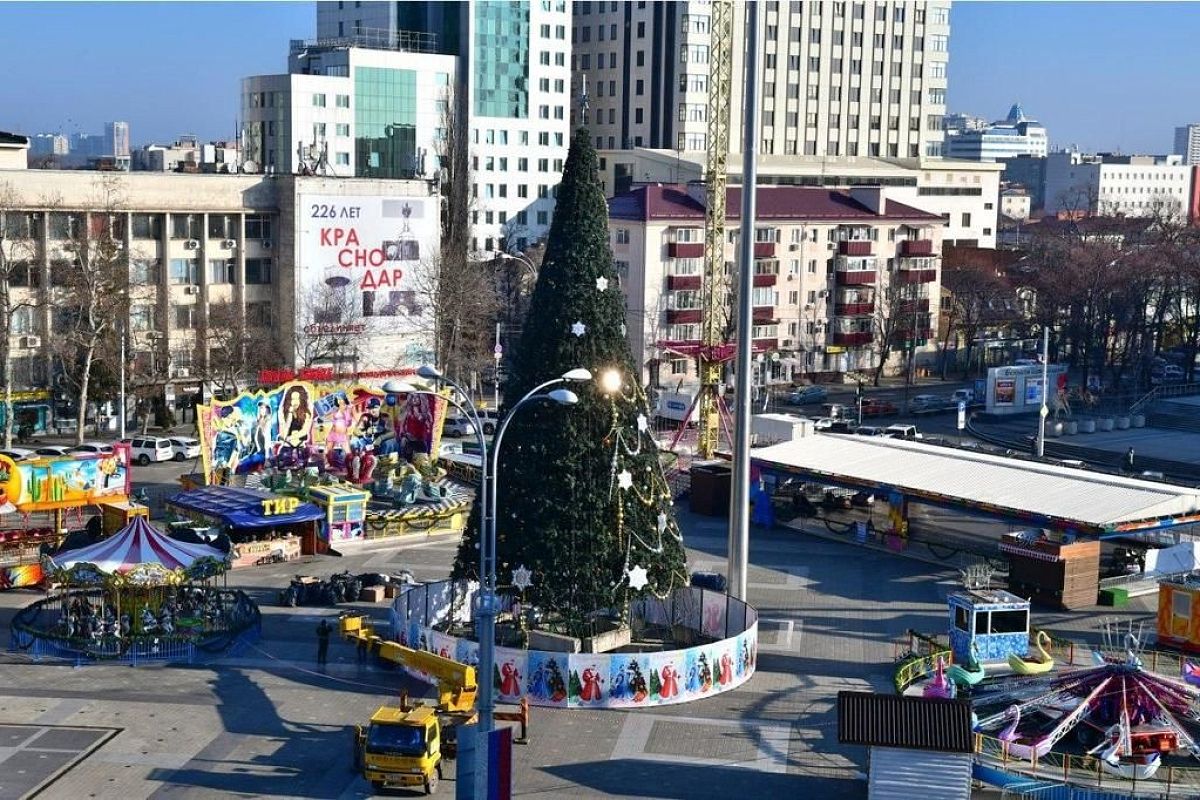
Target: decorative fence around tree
724,656
33,632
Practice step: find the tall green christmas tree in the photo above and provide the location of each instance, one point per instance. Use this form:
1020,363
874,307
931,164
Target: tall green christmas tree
583,502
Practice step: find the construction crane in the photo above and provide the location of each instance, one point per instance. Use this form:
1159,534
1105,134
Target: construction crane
714,350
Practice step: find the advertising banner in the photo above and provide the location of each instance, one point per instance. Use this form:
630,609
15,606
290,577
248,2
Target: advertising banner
1033,391
1006,391
359,271
45,484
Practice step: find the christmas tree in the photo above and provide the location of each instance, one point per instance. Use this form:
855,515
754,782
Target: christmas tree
582,499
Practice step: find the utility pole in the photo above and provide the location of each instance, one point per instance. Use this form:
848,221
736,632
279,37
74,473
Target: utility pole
1044,412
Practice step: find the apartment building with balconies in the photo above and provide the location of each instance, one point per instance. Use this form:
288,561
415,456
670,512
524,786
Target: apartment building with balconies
835,273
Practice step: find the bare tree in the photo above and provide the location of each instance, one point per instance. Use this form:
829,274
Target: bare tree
93,289
17,252
231,352
330,327
976,296
888,320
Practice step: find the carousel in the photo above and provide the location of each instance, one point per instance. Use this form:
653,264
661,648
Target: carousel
138,594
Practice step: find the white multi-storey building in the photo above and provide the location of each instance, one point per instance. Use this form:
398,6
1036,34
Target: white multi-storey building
839,78
833,270
1016,135
514,83
963,193
1187,143
1108,184
350,111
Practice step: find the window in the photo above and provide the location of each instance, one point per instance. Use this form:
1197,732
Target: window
641,30
318,100
184,272
343,101
937,42
342,159
937,97
258,270
258,226
966,220
543,218
143,318
147,226
258,314
221,270
184,316
143,272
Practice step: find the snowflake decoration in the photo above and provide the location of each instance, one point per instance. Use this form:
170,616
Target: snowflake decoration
642,423
624,479
637,577
522,577
602,283
622,329
579,329
662,522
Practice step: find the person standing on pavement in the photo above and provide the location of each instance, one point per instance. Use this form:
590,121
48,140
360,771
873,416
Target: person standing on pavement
1129,460
323,631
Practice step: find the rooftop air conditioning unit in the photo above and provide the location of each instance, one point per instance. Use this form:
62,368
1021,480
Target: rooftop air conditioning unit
229,244
31,342
191,244
266,243
182,372
191,290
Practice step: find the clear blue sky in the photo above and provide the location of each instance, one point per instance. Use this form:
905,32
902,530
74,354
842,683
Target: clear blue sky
1101,75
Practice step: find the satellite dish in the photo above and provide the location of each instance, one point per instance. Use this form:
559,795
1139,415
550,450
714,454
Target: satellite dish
249,167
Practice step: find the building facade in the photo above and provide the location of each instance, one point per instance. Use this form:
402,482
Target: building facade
838,78
1015,203
833,272
1187,143
514,84
1015,135
350,111
1111,185
1030,172
290,260
963,193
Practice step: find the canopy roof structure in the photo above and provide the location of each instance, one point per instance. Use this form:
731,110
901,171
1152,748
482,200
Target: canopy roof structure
137,548
241,508
1047,494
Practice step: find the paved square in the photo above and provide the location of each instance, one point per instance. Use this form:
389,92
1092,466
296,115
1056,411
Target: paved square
33,756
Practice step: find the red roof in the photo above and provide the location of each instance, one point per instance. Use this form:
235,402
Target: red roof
668,202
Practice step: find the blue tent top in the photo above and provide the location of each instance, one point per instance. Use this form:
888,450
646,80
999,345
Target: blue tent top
241,508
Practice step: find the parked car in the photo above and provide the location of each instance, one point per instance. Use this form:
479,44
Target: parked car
148,449
965,396
184,447
838,498
19,454
869,430
457,426
877,408
709,580
1166,373
862,500
489,418
806,395
93,447
53,450
928,404
902,432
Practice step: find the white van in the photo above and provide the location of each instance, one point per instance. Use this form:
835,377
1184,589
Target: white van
149,449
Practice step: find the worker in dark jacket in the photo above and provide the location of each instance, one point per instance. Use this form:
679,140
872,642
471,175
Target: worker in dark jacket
323,631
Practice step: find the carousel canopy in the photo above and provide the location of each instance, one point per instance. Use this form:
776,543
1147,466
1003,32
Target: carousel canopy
139,544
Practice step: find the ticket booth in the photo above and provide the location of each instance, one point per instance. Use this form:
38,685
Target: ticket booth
118,514
995,620
1179,612
345,508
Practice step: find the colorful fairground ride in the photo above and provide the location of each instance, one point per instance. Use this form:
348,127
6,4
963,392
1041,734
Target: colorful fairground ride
138,595
1116,722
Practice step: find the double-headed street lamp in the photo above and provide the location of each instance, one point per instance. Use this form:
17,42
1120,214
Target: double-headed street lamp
487,606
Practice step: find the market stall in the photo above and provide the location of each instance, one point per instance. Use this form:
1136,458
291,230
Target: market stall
262,527
345,509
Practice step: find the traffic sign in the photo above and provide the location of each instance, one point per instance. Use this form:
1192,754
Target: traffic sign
962,414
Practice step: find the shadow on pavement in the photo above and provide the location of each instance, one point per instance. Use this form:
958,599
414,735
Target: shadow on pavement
668,781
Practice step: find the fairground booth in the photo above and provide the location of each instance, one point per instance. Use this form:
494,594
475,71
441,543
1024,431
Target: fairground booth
262,527
43,499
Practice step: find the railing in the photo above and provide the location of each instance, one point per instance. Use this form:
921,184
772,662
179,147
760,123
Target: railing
915,667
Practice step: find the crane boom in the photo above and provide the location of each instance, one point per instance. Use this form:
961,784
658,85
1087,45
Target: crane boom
714,296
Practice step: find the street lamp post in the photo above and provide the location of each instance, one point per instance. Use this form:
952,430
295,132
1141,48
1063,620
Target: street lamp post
487,603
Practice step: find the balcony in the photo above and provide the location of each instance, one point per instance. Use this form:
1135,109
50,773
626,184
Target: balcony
763,345
858,277
852,338
765,280
920,333
677,282
853,309
685,249
683,316
764,314
856,248
916,247
764,249
920,306
911,276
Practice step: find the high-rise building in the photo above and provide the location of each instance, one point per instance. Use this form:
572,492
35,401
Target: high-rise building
1015,135
838,78
1111,185
1187,142
514,86
116,140
49,144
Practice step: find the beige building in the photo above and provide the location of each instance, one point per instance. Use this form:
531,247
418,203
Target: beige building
834,270
963,193
276,248
14,150
1015,203
839,78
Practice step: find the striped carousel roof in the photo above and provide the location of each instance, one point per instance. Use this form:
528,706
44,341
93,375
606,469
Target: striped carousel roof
135,544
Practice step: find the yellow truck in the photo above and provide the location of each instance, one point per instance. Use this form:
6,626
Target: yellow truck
404,745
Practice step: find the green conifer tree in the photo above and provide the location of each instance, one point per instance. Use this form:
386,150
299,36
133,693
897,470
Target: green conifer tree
582,498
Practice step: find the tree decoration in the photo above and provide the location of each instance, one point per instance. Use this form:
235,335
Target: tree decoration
522,577
637,578
579,329
602,283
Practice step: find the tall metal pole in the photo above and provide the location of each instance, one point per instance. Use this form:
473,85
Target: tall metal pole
121,391
496,375
1044,412
739,527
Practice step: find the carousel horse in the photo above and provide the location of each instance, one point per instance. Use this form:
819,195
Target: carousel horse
1037,665
149,623
126,624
